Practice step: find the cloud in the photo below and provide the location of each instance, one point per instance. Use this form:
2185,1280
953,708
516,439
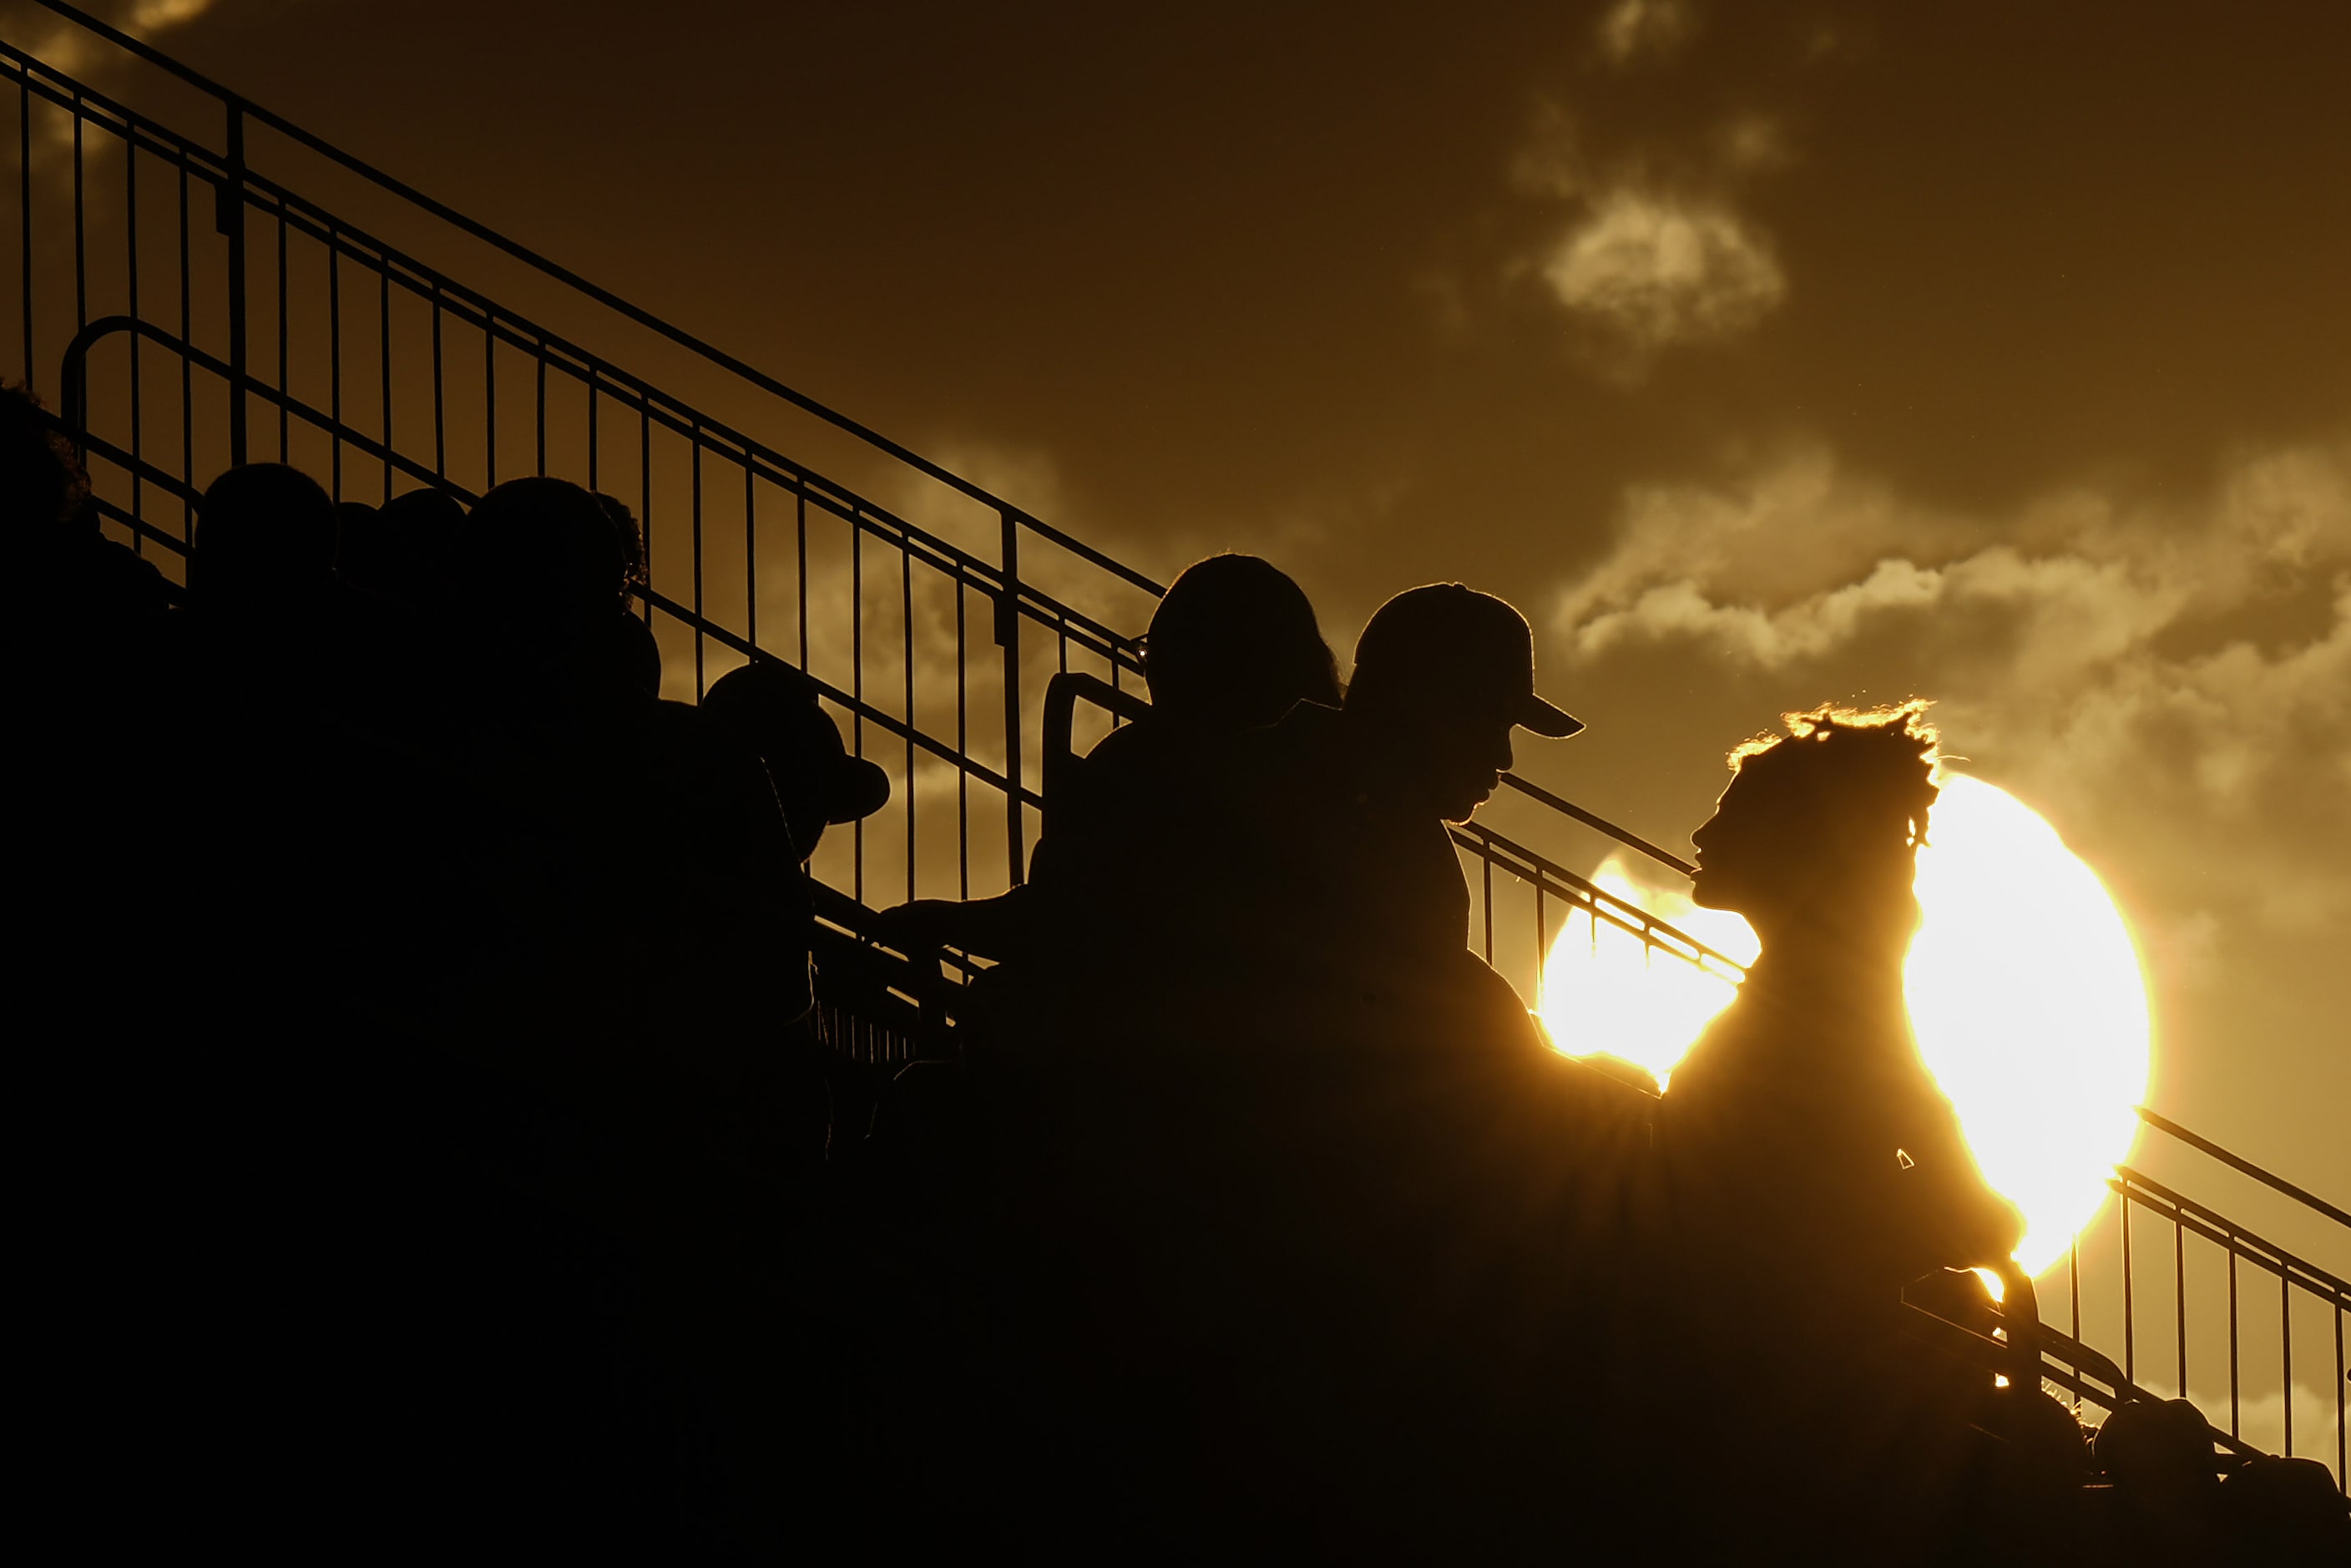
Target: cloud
1634,30
2165,674
1654,270
75,50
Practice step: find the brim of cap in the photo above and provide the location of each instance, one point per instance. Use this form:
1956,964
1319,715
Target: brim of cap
859,789
1544,719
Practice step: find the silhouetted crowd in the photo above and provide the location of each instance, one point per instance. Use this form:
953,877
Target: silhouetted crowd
431,1150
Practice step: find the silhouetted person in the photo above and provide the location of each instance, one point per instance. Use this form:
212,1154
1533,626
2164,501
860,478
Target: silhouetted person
2285,1512
1815,1166
1320,867
647,897
1293,1229
1232,646
408,552
77,594
2157,1456
770,711
546,565
265,545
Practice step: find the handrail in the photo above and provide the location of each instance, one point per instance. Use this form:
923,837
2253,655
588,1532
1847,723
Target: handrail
2222,1231
2162,1123
1477,838
1622,835
242,105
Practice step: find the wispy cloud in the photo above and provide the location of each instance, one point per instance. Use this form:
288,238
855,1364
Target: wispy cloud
1655,270
1633,31
72,49
2151,669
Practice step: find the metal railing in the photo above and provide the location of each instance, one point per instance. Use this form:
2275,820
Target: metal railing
2206,1310
201,314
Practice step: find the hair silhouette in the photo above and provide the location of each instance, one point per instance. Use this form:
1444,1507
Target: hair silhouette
41,485
1233,645
265,533
1820,828
546,560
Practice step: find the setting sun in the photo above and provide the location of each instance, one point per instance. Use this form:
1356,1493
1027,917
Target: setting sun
2024,990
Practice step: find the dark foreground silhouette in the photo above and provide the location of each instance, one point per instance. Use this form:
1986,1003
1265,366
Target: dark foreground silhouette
430,1151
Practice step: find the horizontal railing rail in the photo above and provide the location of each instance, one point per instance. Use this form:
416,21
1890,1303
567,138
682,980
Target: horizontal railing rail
2244,1166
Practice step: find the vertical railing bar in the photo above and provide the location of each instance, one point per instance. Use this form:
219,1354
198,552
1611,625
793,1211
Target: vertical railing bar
24,211
2130,1342
538,408
963,739
750,551
490,399
2236,1413
2179,1297
2073,1297
440,398
384,333
2285,1356
857,684
335,354
906,625
2342,1436
1485,883
284,342
1008,637
594,397
229,218
1542,935
131,264
187,368
693,531
645,492
82,244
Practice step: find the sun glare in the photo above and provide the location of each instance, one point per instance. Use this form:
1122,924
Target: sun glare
2024,990
2029,1006
1605,992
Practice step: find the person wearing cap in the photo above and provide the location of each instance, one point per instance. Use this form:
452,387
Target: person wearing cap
1302,1166
1352,866
770,710
1232,646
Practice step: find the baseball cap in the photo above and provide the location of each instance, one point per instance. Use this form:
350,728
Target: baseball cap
1467,645
773,708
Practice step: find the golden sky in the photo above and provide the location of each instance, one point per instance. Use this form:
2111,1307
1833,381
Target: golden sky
1762,353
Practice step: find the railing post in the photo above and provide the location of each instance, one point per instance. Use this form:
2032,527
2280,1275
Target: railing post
1008,637
228,216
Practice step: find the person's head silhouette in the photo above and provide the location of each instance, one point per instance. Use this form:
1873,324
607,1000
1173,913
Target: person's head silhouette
771,709
1820,829
41,486
549,564
265,540
408,549
1234,645
1443,674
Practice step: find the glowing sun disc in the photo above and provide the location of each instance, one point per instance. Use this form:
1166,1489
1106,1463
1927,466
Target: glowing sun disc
2027,998
2024,991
